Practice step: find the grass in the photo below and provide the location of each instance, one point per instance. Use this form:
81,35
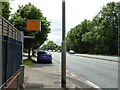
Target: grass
28,62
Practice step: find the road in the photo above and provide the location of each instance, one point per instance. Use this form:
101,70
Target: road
100,72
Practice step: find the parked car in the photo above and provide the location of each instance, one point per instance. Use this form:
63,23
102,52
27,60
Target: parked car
44,56
72,52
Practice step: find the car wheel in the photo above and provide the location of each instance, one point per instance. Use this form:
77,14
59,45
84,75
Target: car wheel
50,62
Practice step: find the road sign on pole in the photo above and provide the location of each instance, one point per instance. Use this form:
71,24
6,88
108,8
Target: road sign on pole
33,25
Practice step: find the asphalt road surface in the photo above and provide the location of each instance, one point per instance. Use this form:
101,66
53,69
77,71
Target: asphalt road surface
100,72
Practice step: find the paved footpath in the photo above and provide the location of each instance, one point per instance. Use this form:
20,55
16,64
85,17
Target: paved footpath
47,76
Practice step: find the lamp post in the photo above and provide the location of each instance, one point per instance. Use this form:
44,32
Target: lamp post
118,29
118,26
63,68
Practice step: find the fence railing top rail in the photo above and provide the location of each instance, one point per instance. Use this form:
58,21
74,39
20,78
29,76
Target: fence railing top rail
16,32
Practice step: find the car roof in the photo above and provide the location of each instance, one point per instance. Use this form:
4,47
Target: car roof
41,51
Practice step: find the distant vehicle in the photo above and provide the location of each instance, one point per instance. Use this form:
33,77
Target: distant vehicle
53,50
44,56
72,52
50,50
58,51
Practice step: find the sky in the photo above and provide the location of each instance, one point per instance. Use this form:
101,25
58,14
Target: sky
76,12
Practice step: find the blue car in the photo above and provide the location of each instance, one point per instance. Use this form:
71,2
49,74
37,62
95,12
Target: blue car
44,56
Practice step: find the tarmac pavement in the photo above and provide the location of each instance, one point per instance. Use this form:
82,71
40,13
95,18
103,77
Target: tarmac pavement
48,76
101,57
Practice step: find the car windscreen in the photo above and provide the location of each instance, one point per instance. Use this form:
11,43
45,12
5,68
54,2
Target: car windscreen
39,53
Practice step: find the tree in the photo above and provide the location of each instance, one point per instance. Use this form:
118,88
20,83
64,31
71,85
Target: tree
98,36
74,37
104,33
19,19
6,10
51,46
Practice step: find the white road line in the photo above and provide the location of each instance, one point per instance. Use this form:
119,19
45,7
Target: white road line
66,70
56,63
59,65
92,84
72,74
95,86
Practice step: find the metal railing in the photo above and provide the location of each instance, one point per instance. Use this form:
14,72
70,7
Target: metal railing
11,50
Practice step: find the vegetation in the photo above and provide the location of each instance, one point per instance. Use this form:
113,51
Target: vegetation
28,62
51,46
99,36
19,19
6,10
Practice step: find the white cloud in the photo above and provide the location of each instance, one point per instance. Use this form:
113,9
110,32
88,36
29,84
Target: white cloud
76,11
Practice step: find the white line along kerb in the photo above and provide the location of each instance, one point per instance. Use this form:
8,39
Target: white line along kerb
95,86
63,0
72,74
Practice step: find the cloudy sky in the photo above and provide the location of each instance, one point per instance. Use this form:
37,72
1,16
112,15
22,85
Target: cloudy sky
76,12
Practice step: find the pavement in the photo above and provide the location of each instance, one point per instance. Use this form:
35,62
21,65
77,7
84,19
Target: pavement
48,76
101,57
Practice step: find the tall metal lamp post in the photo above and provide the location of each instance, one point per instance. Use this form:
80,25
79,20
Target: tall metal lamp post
63,69
118,15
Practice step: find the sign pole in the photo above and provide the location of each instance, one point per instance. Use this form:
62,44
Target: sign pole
63,68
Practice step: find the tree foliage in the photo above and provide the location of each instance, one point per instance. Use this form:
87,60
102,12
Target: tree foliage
100,35
51,46
19,19
74,37
5,9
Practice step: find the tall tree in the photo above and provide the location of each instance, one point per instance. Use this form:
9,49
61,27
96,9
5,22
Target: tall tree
19,20
6,9
104,33
51,46
74,37
100,35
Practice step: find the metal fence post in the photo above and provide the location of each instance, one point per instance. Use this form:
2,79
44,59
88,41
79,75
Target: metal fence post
22,40
21,79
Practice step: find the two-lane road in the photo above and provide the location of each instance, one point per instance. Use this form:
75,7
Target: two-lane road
100,72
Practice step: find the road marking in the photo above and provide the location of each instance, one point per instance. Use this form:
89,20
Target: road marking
72,74
56,63
95,86
92,84
59,65
66,70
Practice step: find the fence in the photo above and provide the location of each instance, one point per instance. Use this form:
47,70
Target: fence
11,50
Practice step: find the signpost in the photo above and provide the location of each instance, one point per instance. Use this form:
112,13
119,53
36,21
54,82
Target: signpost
32,25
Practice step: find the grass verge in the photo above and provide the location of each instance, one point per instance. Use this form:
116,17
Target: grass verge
28,62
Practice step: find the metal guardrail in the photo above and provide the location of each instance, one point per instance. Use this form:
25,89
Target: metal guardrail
11,49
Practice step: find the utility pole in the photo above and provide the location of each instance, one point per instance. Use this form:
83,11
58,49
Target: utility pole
63,68
118,29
